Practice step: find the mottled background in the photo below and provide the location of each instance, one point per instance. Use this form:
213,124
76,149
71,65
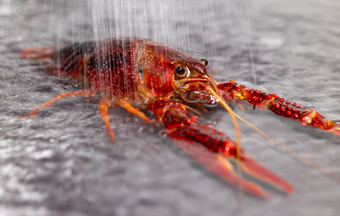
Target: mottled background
61,162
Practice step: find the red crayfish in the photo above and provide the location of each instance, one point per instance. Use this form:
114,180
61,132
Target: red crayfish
140,74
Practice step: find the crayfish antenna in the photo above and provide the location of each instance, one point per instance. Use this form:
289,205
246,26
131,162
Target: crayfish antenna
241,185
260,172
248,164
207,145
295,154
233,117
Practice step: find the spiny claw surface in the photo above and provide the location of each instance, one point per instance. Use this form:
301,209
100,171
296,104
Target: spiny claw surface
280,106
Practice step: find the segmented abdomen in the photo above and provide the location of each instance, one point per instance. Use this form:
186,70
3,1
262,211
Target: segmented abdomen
108,65
112,67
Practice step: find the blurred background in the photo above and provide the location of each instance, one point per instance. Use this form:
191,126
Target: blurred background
61,162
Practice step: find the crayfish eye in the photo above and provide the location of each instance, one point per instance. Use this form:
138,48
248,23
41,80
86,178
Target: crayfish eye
181,71
204,62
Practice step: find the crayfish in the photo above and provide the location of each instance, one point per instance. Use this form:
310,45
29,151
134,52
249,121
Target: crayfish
142,75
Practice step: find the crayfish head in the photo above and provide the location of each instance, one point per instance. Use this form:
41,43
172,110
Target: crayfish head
194,85
169,72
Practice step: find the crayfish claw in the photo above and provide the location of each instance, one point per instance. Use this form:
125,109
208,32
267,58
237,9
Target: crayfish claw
213,149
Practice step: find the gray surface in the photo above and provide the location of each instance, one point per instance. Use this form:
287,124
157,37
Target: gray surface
61,162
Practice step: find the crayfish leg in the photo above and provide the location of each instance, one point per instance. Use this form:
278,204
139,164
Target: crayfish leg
103,105
125,104
85,93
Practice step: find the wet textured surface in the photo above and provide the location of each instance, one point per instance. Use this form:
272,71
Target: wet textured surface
61,162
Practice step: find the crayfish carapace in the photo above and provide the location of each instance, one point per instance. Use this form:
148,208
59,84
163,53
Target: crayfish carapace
139,74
